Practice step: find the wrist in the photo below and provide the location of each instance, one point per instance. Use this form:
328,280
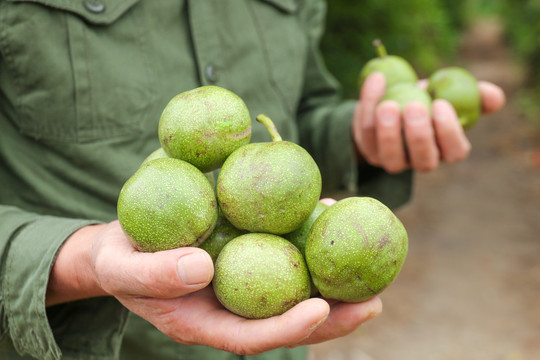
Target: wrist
72,276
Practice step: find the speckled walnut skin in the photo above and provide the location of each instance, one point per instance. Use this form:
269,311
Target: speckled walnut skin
269,187
168,203
204,125
260,275
355,249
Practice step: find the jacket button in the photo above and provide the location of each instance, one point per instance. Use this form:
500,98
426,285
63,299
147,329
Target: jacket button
211,73
95,6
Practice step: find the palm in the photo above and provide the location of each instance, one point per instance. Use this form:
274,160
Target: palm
199,318
149,286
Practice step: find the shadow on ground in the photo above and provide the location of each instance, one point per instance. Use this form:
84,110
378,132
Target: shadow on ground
471,283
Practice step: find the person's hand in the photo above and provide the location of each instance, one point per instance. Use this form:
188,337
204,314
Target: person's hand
169,289
381,130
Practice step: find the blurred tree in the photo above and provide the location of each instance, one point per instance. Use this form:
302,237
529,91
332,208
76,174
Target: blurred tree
483,8
456,12
422,31
523,31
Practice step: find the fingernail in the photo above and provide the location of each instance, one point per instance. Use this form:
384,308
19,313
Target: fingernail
441,108
388,113
375,309
374,86
195,268
386,120
415,113
378,75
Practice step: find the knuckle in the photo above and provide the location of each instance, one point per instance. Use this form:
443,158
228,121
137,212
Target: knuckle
372,160
370,156
107,283
394,162
367,126
394,168
248,351
388,137
457,156
187,333
244,349
104,277
417,139
427,166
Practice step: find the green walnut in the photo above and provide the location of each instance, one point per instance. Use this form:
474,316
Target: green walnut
221,235
460,88
160,154
166,204
394,68
299,236
260,275
355,249
269,187
405,93
204,125
156,154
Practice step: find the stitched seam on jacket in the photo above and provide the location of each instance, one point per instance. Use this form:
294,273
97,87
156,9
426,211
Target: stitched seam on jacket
10,63
266,55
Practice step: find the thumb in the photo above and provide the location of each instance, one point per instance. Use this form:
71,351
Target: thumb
364,124
122,270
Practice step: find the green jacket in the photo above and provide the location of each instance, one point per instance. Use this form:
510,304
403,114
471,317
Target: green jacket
82,87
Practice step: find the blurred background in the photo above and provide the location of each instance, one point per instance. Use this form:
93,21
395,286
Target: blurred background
470,287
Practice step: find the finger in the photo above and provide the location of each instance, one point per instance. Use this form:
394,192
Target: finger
122,270
423,83
328,201
344,318
199,319
292,327
389,137
364,119
453,144
493,97
420,137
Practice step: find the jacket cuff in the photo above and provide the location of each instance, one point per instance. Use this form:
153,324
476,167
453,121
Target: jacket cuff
92,328
393,190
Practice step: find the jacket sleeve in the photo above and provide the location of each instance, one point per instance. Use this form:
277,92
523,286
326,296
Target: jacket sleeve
84,329
325,128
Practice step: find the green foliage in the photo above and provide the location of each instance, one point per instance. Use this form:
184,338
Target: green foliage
523,31
456,12
473,9
419,30
528,105
523,34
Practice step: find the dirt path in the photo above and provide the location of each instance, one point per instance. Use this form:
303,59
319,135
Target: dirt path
471,283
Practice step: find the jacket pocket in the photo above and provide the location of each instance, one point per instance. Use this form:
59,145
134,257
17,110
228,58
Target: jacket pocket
287,6
75,71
